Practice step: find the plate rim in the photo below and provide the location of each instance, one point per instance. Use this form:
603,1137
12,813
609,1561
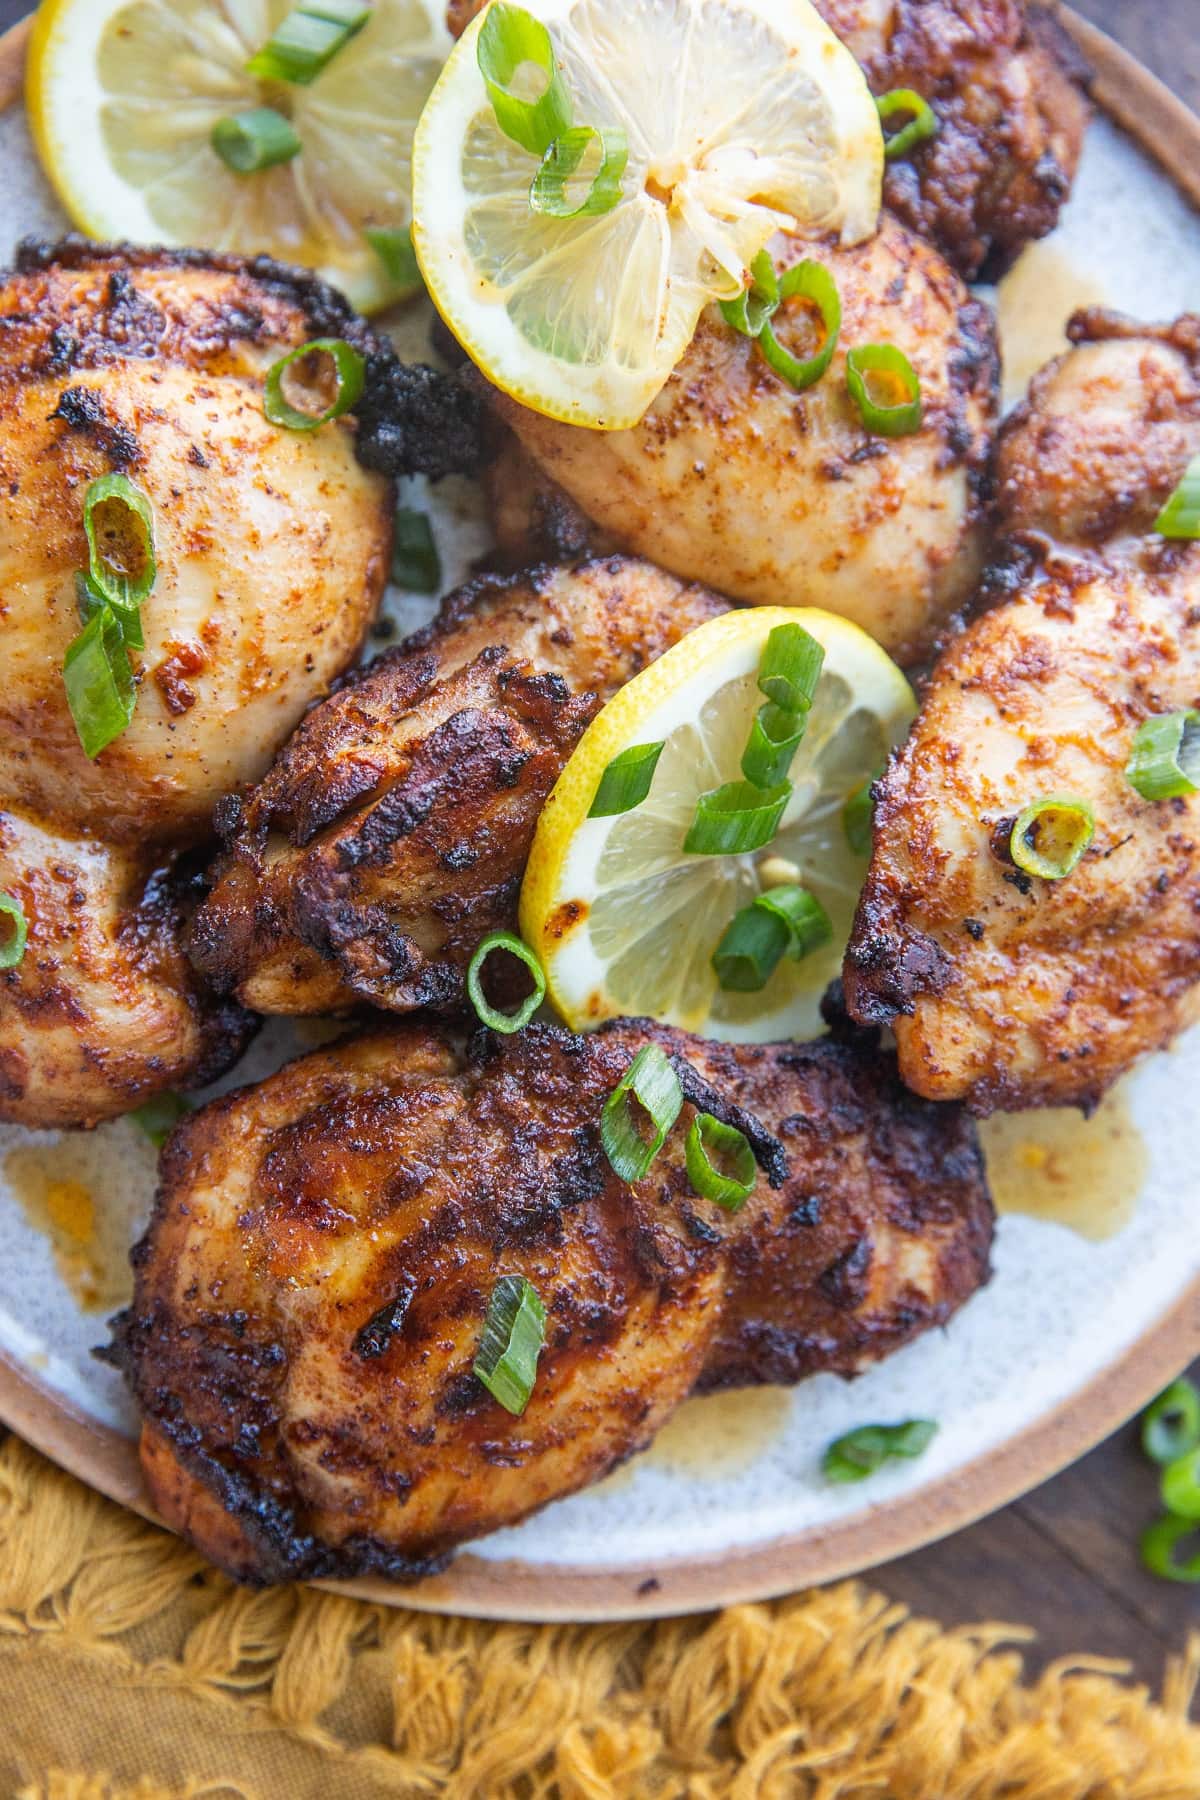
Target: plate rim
513,1589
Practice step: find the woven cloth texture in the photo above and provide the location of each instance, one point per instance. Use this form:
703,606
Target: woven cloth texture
131,1671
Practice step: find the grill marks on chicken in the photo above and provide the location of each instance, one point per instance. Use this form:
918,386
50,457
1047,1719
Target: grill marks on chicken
1005,990
311,1291
392,833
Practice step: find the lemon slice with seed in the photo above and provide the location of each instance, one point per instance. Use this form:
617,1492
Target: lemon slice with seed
123,95
743,117
623,921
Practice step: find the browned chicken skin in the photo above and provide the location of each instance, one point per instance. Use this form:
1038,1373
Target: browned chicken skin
1005,990
392,833
311,1291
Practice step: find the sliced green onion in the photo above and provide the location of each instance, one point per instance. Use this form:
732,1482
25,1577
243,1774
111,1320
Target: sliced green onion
548,189
158,1117
89,601
514,1333
307,40
860,1453
99,682
307,373
1051,835
751,309
1164,763
626,781
858,819
709,1137
119,521
810,282
1181,1486
653,1085
511,42
394,248
256,139
12,943
790,667
801,914
922,125
488,1014
736,818
774,739
1171,1424
751,949
886,389
416,564
1180,517
1160,1542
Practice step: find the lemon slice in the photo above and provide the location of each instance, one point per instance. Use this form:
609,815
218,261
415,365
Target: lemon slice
122,99
623,921
743,117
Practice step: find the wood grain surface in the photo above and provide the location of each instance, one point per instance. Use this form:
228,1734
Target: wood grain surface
1064,1559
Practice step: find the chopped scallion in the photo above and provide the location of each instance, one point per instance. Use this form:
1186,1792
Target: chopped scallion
298,383
790,667
858,820
514,1333
751,948
922,124
801,914
488,1014
812,283
1181,1485
1171,1424
99,682
1051,836
1164,763
731,1185
158,1117
416,564
751,309
307,40
886,389
256,139
511,44
774,739
652,1085
14,938
119,521
1180,517
394,248
736,818
1160,1543
860,1453
548,191
626,781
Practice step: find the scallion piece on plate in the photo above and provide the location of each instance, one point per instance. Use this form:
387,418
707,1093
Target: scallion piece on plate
416,564
1171,1424
858,820
736,818
749,311
1180,517
860,1453
158,1117
1181,1486
307,39
790,667
13,936
626,781
514,1333
1160,1544
729,1180
313,384
751,948
801,914
394,248
651,1086
774,739
886,389
119,522
922,123
812,283
1164,763
521,73
556,188
1051,836
256,139
99,682
488,1014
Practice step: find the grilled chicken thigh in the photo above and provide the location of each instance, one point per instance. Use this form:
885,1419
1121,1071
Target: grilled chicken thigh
780,497
391,835
1004,989
310,1294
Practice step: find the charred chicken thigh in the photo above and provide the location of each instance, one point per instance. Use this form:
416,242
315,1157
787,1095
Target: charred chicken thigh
1004,989
311,1292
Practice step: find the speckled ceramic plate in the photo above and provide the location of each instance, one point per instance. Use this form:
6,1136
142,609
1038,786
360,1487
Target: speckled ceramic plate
1075,1331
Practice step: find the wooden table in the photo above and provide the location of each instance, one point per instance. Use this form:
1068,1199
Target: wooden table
1064,1559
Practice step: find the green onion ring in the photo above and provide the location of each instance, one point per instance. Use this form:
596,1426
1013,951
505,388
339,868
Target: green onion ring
159,1116
1180,517
247,142
774,739
749,311
394,248
514,1333
736,818
306,41
811,282
861,1452
12,943
99,682
1159,1544
790,667
349,370
510,38
548,189
652,1083
1164,763
708,1137
1171,1424
887,418
626,781
1051,836
858,818
801,914
89,601
488,1014
751,948
119,522
1181,1486
922,126
416,564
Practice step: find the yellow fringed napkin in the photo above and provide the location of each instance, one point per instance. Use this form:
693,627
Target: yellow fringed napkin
129,1671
